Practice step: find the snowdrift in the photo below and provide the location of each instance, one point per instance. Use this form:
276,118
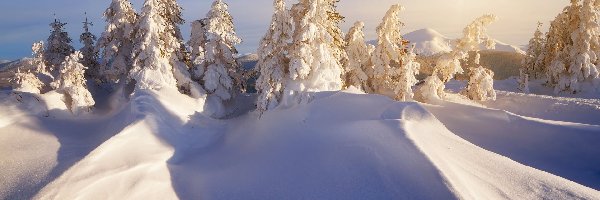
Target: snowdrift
343,145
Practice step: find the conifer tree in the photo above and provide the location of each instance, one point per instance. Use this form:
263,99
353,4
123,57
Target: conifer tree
273,62
223,73
58,46
531,63
359,64
577,61
116,43
151,53
393,66
71,83
197,44
89,52
26,81
314,65
407,72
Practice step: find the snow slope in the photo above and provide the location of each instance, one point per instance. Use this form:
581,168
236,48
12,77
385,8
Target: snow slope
343,145
429,42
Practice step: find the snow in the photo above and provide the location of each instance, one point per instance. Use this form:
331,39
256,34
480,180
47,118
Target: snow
342,145
430,42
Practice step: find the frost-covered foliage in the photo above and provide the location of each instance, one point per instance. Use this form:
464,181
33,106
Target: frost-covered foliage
573,55
449,64
26,82
409,68
58,46
72,84
175,50
334,19
154,46
432,89
197,44
532,64
358,68
223,74
481,84
387,53
37,51
89,53
314,65
273,62
116,43
474,35
394,65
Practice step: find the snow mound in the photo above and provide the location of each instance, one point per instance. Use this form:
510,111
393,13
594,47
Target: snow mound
430,42
343,145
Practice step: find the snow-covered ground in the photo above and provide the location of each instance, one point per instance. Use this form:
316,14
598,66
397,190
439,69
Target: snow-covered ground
343,145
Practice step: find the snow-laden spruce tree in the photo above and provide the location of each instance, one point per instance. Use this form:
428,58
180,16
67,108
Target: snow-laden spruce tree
532,61
58,46
223,74
197,45
116,43
26,81
89,53
474,35
407,72
481,83
359,64
272,58
394,66
577,61
449,64
176,51
314,65
158,55
523,81
72,84
151,55
334,19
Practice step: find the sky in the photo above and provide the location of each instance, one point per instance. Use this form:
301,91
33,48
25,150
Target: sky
24,22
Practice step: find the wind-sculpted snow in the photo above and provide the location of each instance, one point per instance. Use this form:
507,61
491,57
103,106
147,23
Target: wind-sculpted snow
342,145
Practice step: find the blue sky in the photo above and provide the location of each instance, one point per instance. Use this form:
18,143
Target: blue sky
23,22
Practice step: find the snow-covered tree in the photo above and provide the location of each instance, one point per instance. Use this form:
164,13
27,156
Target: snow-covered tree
481,84
334,19
26,82
474,35
223,73
391,60
116,43
158,55
177,53
577,61
359,64
449,64
432,89
71,83
151,56
409,68
58,46
523,81
89,52
197,44
273,62
314,65
531,63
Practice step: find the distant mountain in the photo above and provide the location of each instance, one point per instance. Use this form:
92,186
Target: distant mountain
429,42
4,61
